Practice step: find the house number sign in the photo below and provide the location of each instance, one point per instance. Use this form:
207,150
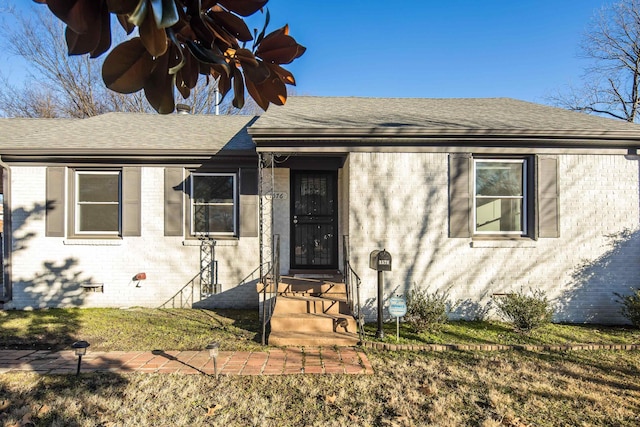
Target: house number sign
278,195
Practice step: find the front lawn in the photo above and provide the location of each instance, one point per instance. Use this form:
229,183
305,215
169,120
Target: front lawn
145,329
488,332
135,329
452,388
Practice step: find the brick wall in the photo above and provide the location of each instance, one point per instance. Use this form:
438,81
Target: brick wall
46,271
399,201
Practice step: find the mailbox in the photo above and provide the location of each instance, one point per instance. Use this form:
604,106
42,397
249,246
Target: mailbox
380,260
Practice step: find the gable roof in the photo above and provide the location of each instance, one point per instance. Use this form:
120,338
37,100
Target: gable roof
501,121
127,133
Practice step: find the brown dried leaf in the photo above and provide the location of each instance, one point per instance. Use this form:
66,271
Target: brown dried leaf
330,399
159,86
43,410
279,48
232,23
153,37
243,7
122,7
211,411
284,75
80,15
238,89
427,390
128,66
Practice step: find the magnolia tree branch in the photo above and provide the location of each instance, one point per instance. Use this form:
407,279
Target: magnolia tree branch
178,42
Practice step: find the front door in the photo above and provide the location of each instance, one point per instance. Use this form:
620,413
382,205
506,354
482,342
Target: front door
314,220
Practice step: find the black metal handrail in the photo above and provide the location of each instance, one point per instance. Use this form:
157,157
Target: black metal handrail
187,293
352,283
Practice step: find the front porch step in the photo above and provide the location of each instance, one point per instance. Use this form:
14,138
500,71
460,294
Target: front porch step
316,287
307,322
329,304
311,339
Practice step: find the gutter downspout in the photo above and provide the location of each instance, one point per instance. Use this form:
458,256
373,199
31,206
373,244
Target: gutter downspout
7,288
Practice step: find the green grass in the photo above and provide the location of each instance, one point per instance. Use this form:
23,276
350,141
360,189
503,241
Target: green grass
146,329
136,329
466,332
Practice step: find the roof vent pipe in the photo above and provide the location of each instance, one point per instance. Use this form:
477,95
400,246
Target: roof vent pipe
183,109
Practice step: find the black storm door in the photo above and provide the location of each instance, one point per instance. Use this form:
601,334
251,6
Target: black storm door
314,220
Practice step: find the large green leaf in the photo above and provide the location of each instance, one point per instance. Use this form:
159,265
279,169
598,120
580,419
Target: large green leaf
243,7
127,67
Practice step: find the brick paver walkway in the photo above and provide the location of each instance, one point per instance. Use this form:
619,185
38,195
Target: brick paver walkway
292,360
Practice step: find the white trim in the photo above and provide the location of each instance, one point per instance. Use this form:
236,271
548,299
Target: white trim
76,203
92,242
524,197
234,204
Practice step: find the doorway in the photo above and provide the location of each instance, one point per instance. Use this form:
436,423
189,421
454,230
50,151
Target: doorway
314,220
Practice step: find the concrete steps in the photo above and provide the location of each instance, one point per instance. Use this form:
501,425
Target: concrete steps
313,339
312,312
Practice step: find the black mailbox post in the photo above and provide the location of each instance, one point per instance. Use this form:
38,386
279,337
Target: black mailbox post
381,262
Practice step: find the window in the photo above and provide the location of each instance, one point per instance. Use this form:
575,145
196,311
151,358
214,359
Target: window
500,196
213,204
97,202
504,197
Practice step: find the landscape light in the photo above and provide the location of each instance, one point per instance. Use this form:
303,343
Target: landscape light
80,348
213,354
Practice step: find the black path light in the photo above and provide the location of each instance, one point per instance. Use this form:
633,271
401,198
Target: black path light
213,348
80,348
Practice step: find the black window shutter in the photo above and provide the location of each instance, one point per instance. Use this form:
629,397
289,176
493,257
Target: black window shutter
460,195
173,197
55,202
548,197
131,201
249,203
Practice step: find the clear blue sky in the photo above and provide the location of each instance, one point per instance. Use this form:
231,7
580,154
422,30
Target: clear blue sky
525,49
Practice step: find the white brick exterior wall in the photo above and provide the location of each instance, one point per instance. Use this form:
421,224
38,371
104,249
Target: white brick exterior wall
46,271
399,201
396,201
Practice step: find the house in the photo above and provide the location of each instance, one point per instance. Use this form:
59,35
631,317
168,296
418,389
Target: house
473,196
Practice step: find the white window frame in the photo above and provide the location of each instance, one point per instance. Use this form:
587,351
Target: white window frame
77,203
524,197
234,204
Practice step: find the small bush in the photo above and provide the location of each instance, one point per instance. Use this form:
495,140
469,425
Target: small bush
426,311
525,312
631,306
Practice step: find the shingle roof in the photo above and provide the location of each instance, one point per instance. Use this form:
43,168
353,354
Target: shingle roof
429,114
128,132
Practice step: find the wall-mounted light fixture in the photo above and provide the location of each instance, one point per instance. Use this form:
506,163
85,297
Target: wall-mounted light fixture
140,276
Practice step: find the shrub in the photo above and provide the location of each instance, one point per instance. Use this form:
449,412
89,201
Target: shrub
525,312
631,306
425,310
